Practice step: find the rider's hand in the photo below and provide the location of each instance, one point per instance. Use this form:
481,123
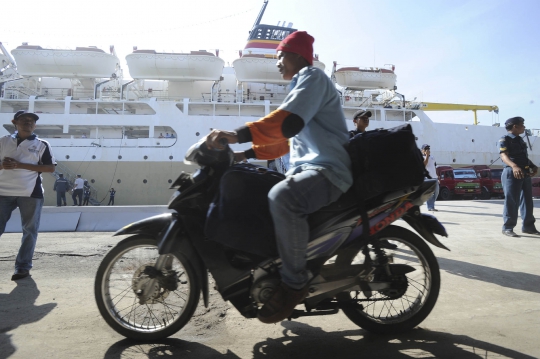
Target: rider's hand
212,140
239,157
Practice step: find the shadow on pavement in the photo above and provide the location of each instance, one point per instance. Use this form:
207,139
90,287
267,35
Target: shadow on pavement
303,341
504,278
17,308
163,349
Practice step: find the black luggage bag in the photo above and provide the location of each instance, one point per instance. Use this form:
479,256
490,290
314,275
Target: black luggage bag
239,216
385,160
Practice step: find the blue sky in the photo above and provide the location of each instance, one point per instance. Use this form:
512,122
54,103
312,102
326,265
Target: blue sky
472,52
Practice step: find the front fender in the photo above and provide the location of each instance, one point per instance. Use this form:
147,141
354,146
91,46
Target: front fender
151,226
167,231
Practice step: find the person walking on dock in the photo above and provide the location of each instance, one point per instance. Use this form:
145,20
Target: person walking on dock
516,179
86,195
78,188
111,198
429,162
61,186
23,158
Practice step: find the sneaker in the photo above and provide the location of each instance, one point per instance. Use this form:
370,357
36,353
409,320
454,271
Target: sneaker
281,304
534,231
433,210
20,274
509,233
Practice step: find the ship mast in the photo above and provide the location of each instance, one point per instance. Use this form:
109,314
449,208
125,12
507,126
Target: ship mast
261,13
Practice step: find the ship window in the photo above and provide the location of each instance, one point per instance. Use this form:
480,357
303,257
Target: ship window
268,32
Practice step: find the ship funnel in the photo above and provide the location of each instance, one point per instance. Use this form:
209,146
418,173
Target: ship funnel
290,25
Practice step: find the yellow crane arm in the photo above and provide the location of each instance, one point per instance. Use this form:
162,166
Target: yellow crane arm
433,106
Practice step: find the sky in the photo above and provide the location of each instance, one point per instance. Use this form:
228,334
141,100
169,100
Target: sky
460,51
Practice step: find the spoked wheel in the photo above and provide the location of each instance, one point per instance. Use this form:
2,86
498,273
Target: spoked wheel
411,296
140,302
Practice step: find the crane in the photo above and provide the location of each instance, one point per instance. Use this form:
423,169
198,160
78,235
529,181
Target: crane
432,106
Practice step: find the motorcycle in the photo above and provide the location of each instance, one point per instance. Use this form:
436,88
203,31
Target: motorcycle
148,286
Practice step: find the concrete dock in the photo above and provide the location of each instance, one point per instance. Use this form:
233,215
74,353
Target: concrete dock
488,307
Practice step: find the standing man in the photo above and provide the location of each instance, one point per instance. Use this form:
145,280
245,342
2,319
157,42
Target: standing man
361,122
111,198
516,179
23,158
78,188
430,164
320,168
61,186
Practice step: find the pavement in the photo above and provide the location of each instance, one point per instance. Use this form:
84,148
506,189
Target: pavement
488,307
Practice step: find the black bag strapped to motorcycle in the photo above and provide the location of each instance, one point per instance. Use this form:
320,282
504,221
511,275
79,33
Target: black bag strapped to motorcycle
239,216
384,161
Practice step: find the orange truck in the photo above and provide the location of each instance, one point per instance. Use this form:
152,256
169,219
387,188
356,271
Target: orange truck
458,182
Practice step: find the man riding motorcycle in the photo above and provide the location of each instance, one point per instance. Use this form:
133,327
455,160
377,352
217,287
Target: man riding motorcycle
320,169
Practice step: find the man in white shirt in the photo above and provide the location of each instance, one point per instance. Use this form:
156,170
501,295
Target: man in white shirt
23,157
78,188
430,164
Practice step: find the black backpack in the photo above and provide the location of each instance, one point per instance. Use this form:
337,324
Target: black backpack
385,160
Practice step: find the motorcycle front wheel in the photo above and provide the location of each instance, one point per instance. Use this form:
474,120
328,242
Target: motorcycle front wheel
395,311
170,295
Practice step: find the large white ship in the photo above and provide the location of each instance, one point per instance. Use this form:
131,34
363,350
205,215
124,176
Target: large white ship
132,134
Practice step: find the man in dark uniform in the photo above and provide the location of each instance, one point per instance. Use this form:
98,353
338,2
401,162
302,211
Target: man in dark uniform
516,179
61,186
361,122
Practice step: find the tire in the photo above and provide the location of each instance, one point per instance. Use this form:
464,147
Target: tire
165,312
445,194
485,194
384,313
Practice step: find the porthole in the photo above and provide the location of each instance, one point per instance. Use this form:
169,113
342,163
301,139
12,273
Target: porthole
94,157
119,157
197,133
145,157
473,139
93,180
170,157
144,181
472,161
118,181
67,157
454,160
170,181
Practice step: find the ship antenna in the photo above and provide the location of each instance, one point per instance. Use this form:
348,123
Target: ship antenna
261,13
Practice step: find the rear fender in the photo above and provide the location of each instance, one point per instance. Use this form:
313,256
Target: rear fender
426,225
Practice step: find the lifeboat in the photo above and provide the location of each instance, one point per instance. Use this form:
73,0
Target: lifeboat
355,78
83,62
262,68
193,66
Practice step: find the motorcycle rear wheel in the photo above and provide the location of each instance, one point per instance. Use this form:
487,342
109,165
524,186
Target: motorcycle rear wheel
380,313
119,276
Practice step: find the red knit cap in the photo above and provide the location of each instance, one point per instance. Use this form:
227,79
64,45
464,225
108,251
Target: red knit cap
299,42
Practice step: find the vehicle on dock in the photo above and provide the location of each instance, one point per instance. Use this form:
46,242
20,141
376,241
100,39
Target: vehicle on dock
490,181
457,183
